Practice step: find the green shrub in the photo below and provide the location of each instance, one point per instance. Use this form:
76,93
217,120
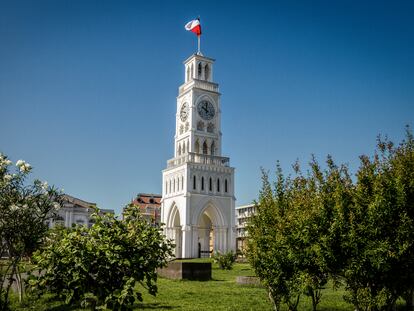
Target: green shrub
100,266
225,261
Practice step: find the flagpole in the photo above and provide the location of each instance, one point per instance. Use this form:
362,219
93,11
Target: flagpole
198,52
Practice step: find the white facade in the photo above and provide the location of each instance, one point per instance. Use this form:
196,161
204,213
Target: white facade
198,200
75,212
243,214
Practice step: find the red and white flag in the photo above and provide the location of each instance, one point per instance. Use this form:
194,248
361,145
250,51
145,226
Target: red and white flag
194,26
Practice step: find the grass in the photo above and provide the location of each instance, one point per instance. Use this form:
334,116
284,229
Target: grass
221,293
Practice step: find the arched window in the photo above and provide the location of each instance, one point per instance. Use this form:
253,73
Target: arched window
194,183
205,148
202,183
225,186
197,146
212,148
207,72
218,185
200,68
210,185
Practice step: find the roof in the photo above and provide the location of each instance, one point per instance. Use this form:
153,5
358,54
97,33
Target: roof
81,203
245,206
147,198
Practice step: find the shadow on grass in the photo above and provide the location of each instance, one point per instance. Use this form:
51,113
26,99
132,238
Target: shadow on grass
63,307
331,308
153,306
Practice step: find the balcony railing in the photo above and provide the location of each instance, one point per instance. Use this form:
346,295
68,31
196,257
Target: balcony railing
192,157
209,86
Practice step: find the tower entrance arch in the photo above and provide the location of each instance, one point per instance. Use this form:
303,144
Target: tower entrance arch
174,231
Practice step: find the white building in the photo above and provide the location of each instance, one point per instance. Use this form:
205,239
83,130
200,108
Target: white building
75,211
198,184
243,214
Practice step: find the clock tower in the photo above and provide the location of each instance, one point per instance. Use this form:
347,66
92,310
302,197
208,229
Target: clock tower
198,202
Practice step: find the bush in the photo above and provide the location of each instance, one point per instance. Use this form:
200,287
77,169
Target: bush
24,210
225,261
100,266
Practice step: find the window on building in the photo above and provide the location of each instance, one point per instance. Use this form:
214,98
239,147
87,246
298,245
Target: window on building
202,183
197,146
210,184
205,148
218,185
225,186
207,72
194,183
199,70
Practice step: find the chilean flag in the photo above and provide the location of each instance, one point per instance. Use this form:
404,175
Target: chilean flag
194,26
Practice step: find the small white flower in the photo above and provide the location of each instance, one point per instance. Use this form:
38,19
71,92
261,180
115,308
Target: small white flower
25,167
7,162
45,185
20,163
7,177
14,208
56,206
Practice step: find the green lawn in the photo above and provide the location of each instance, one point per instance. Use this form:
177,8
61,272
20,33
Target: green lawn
221,293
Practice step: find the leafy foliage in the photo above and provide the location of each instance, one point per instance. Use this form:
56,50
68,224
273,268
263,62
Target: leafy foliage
100,266
24,209
322,225
225,261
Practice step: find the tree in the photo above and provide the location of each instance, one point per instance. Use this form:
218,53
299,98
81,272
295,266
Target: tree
311,227
269,250
381,239
24,210
100,266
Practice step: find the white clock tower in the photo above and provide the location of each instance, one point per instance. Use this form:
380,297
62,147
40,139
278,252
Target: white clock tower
198,202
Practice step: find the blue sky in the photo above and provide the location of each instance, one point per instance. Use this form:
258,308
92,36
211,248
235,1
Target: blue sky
88,88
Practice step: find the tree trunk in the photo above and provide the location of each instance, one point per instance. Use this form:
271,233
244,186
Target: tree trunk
19,283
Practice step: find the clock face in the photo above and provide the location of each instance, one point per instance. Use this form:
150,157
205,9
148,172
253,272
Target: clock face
184,112
206,110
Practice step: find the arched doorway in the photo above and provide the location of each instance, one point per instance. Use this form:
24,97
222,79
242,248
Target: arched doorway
174,231
212,232
205,237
